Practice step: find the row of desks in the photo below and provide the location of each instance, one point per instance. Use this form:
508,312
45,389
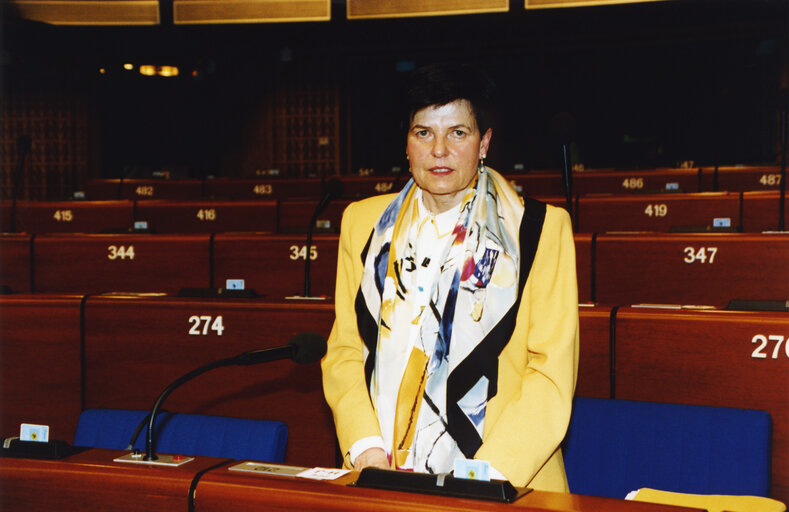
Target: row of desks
545,183
741,211
91,481
623,268
62,354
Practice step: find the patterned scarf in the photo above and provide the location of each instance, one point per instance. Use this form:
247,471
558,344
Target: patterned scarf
432,367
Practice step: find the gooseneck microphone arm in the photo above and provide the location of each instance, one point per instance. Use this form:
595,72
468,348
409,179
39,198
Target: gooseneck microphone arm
150,454
334,189
304,348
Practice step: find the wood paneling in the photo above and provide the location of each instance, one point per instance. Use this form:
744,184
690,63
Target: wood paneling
273,265
15,262
594,363
123,263
658,212
208,216
702,269
90,481
40,364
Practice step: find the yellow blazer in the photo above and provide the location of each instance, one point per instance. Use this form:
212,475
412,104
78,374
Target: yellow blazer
527,419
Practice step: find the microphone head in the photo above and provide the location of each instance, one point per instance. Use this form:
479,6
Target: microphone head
308,347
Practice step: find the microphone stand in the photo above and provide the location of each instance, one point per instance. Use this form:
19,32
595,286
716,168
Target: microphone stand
568,178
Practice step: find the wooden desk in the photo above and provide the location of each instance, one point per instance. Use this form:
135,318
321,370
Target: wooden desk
708,269
294,216
594,362
90,481
262,188
357,187
221,489
208,216
136,346
740,178
597,181
583,265
15,261
719,358
657,212
538,183
273,265
760,211
74,216
144,189
40,363
127,263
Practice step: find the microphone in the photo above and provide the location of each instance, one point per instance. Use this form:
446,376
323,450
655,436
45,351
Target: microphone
333,190
303,348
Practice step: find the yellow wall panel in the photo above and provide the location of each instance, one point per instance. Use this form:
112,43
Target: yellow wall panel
249,11
360,9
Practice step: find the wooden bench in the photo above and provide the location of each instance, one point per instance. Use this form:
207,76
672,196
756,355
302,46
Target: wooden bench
124,262
721,358
658,212
208,216
135,346
708,269
40,363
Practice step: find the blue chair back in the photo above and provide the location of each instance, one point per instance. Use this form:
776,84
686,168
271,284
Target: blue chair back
186,434
617,446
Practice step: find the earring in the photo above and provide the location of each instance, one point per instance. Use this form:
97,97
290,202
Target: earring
482,161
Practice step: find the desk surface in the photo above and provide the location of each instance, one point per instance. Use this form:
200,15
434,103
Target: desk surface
221,489
92,481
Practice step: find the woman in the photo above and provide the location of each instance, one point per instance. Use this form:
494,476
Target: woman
456,332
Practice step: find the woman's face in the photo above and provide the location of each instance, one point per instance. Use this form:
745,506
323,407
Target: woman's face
444,146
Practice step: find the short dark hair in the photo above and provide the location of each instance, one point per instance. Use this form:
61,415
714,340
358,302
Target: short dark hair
440,84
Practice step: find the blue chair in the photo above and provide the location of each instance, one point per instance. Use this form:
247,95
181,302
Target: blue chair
185,434
617,446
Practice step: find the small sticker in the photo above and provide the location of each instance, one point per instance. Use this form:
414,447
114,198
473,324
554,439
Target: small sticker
672,186
234,284
472,469
30,432
721,222
141,224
